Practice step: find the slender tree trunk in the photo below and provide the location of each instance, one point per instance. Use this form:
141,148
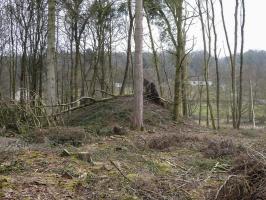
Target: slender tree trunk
206,61
241,64
216,66
235,108
110,54
13,62
200,107
40,86
83,71
77,66
102,63
23,76
130,31
51,82
166,75
138,72
232,59
71,69
184,79
155,57
179,53
252,105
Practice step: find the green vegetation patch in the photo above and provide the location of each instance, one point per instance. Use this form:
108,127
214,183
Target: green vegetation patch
13,166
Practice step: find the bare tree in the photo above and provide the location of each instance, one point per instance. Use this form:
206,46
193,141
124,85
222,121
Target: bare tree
207,56
216,65
232,57
154,52
241,64
51,82
130,31
138,72
179,57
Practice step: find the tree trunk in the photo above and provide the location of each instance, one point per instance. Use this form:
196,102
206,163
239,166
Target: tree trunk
232,59
130,31
138,72
241,64
252,105
51,82
184,78
216,66
155,57
177,95
206,61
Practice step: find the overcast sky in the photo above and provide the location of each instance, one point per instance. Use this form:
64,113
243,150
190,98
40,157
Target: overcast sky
255,30
256,24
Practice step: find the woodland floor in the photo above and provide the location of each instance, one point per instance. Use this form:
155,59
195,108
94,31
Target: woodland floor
166,161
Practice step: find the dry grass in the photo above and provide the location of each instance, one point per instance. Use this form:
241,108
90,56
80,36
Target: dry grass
219,148
247,180
166,141
166,161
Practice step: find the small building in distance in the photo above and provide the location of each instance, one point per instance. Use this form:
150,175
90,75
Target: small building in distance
117,88
26,93
200,83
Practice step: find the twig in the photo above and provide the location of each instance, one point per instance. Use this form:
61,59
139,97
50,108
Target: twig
74,102
130,181
82,106
119,170
104,92
223,185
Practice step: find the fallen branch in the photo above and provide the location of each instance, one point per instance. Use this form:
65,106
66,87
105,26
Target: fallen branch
82,106
104,92
143,190
119,170
223,185
71,103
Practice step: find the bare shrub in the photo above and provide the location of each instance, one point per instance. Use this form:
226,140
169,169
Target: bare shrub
21,118
165,141
246,182
58,135
216,149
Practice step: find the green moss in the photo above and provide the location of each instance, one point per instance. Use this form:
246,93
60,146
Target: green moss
72,184
90,177
133,177
249,133
106,131
157,167
164,167
13,166
5,183
130,198
203,164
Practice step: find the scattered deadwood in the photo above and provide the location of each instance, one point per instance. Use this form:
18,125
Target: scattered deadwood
84,156
151,93
84,99
19,117
165,141
75,136
146,187
247,180
107,93
80,106
119,130
65,153
219,148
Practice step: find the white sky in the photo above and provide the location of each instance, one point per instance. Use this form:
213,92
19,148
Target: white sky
255,29
256,24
